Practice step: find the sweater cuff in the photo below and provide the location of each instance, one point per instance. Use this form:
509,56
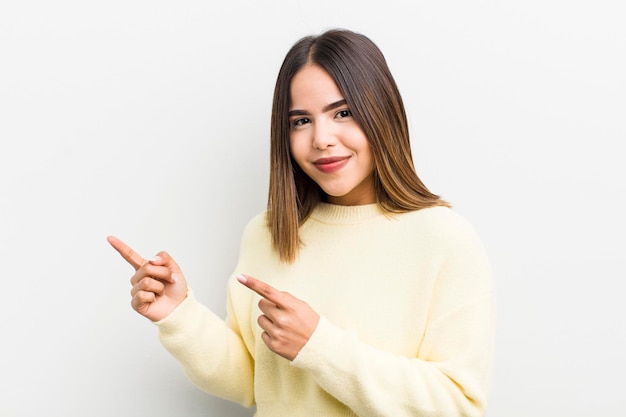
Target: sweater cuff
322,346
180,315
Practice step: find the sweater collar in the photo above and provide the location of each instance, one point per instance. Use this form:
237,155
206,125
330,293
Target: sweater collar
331,213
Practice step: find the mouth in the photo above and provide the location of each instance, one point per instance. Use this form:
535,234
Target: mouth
331,164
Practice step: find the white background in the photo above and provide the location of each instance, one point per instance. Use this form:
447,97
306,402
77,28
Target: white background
150,120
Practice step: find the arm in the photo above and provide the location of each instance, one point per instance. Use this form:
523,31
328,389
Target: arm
449,376
211,352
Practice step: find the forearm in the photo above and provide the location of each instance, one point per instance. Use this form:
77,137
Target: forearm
213,356
449,381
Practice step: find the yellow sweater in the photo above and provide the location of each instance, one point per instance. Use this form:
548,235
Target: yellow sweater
406,320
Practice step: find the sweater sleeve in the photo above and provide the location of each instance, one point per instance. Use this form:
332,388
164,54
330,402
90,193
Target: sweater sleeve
211,352
449,375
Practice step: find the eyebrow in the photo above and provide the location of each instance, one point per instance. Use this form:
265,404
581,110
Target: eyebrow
326,108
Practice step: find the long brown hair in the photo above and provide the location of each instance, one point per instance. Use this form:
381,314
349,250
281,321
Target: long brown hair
363,77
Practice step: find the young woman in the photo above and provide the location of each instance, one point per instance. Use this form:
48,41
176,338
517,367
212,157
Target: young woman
358,292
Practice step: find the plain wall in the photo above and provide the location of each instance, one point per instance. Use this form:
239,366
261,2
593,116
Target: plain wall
150,120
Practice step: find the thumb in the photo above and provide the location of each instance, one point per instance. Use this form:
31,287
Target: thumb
164,259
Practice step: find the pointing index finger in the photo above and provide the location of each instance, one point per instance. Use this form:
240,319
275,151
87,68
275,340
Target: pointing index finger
264,290
132,257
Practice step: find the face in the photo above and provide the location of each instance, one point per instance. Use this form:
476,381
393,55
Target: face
327,142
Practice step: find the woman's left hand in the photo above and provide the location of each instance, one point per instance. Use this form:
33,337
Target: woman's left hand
287,321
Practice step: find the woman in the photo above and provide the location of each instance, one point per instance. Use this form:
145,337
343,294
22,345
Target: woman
385,300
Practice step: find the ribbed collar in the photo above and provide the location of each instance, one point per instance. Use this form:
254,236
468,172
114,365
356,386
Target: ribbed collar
334,214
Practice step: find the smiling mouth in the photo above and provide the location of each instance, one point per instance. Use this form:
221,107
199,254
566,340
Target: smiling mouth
332,164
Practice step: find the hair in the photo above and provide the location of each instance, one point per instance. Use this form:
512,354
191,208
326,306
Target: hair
360,70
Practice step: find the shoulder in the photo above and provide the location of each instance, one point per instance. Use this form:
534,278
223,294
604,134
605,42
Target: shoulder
256,232
440,220
256,228
256,244
442,229
259,221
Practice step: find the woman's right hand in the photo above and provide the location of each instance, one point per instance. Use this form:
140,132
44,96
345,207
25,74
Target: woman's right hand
158,285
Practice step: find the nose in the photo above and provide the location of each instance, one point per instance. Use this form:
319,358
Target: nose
323,135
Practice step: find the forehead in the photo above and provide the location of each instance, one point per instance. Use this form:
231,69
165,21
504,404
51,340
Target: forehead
313,86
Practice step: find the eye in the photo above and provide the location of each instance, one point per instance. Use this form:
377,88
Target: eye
343,114
300,122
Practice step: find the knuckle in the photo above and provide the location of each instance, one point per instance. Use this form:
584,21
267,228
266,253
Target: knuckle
143,284
159,287
136,303
265,290
144,297
264,319
279,341
282,321
147,269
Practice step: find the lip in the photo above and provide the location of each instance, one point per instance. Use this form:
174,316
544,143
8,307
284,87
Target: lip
331,164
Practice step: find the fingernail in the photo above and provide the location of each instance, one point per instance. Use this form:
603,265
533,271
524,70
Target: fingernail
175,277
242,279
155,259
